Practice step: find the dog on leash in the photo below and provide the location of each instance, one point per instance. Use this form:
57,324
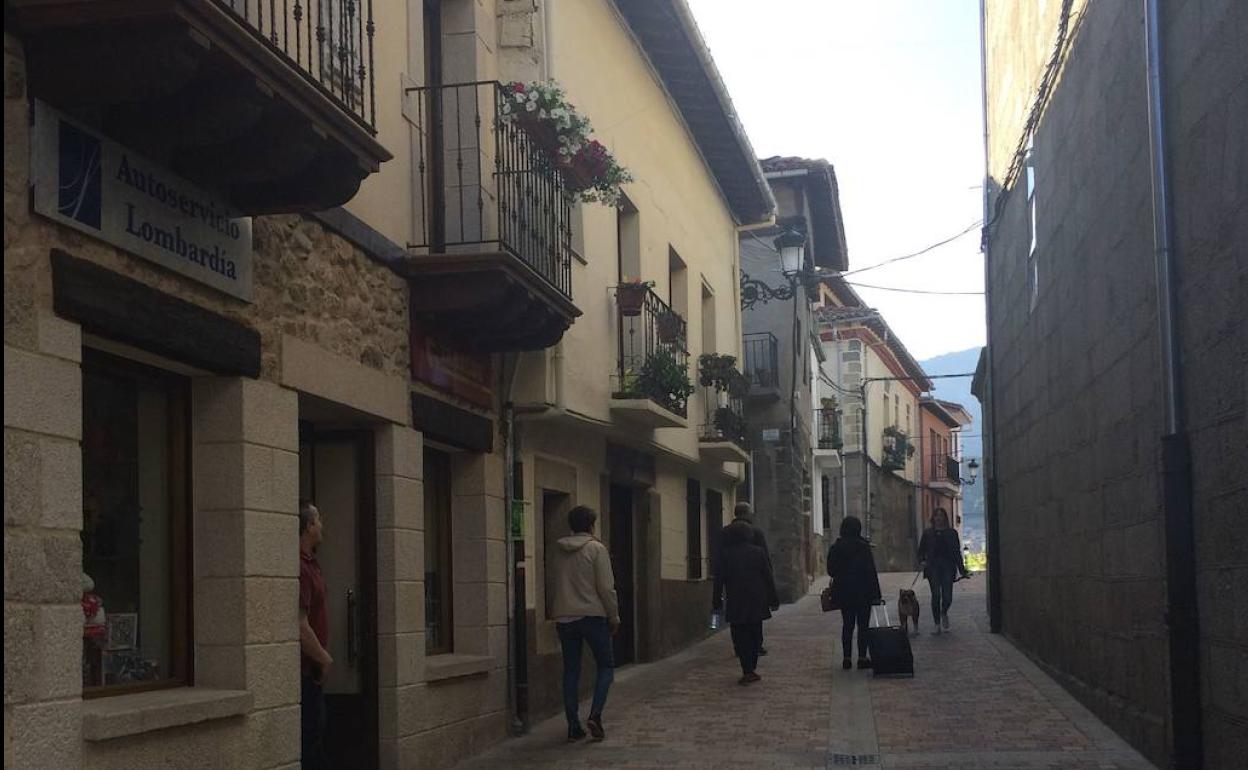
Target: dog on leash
908,607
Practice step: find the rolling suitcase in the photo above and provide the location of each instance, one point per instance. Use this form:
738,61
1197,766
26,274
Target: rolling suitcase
889,647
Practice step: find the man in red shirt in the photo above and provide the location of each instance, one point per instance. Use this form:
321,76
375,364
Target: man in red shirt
313,638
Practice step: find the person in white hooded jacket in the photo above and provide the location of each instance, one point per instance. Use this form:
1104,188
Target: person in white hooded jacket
585,609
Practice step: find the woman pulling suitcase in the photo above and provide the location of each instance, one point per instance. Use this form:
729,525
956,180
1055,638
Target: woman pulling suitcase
855,588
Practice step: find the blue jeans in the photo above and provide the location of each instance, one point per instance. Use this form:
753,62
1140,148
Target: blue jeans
597,632
313,724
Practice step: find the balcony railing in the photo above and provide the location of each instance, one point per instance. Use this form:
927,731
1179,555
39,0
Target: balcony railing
945,468
487,185
654,357
762,360
725,418
329,42
830,428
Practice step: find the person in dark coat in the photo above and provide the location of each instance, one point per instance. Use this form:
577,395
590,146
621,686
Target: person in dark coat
744,512
855,588
940,558
745,576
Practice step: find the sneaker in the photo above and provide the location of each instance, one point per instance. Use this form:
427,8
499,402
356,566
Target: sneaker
847,664
864,663
751,677
594,723
575,734
944,622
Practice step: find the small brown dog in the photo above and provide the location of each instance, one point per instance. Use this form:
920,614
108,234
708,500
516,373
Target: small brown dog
908,607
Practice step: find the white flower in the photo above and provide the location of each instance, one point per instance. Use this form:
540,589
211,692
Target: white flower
533,96
531,106
543,114
519,98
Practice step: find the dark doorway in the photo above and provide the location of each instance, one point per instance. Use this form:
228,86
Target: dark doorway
623,561
714,527
336,472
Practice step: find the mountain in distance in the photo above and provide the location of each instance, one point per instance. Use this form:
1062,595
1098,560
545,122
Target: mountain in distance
958,390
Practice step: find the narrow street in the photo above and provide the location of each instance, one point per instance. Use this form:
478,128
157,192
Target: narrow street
975,702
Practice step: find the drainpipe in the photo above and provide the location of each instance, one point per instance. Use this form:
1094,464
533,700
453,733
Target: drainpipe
517,627
1182,613
992,519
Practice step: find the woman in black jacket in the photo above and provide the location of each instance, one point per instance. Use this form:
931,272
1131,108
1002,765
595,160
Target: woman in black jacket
745,573
940,557
855,587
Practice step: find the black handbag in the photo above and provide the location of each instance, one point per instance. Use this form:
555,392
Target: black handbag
826,601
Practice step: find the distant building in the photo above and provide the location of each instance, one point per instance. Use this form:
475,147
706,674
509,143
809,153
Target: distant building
940,471
877,384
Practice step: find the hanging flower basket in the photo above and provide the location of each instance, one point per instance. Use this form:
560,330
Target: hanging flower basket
589,170
631,297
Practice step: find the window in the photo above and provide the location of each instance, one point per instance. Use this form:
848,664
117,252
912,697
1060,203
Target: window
135,527
439,624
693,528
628,241
1033,265
709,343
677,283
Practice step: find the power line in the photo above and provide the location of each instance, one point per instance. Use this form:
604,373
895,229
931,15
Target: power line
918,291
918,253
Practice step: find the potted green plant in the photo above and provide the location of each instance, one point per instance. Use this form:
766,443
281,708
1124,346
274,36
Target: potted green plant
730,424
665,379
630,295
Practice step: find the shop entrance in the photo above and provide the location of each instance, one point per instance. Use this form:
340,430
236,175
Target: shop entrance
336,472
623,563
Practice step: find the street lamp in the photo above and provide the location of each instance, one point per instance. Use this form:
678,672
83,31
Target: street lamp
791,246
972,465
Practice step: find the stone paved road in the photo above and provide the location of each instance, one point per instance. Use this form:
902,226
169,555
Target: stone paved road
975,702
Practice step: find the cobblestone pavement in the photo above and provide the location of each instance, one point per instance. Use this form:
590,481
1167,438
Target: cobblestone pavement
975,702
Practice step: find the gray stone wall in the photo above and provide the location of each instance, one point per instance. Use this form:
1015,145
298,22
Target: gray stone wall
1078,400
1208,92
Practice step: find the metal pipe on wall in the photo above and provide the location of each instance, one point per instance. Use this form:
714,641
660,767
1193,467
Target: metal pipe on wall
1182,612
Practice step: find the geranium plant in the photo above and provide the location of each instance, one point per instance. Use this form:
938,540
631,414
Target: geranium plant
542,110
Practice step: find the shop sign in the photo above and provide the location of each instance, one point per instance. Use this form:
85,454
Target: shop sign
95,185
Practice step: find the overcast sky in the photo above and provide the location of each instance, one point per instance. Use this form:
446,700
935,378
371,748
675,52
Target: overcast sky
888,91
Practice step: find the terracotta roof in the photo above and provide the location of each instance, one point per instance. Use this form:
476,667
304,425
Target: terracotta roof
669,37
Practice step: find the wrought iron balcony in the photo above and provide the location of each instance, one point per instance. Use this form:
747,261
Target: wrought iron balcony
945,469
492,262
653,365
762,365
272,105
723,435
830,428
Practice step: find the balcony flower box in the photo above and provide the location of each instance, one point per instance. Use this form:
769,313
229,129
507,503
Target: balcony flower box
669,326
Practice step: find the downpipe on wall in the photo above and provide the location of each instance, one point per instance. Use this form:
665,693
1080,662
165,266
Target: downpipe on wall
1182,613
991,511
517,626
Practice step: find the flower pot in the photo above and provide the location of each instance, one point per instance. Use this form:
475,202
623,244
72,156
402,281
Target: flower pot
631,297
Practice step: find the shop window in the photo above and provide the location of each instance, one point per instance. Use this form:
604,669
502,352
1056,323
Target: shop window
135,527
439,599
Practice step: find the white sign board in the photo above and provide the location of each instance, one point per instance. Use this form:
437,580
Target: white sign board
771,435
103,189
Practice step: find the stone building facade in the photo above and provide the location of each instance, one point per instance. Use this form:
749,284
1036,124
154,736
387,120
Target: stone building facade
1090,533
782,359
